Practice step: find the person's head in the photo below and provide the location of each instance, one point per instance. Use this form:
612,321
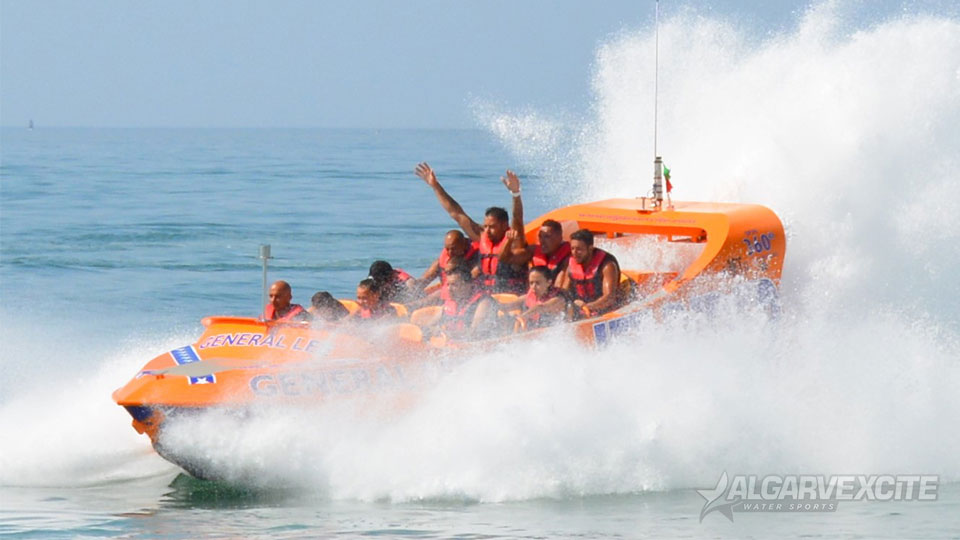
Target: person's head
581,246
382,271
455,244
368,293
496,221
280,295
326,307
454,263
539,279
550,236
460,283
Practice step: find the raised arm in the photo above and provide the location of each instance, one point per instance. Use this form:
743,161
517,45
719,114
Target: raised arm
469,226
512,181
518,253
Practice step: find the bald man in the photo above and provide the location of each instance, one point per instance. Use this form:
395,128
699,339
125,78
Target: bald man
457,249
280,308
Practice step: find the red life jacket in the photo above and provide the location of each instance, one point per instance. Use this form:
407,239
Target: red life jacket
401,276
270,313
395,290
531,300
554,261
455,315
497,278
470,257
384,310
588,281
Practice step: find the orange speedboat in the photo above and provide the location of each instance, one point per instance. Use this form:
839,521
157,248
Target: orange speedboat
673,256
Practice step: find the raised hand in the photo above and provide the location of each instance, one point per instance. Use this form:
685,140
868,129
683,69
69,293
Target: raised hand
511,181
424,171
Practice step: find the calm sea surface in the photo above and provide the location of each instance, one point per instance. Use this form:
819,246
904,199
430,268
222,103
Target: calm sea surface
164,225
114,243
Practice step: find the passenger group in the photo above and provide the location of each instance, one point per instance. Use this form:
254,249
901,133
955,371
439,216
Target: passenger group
484,270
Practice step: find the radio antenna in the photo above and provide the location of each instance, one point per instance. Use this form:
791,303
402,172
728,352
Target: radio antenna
657,162
656,74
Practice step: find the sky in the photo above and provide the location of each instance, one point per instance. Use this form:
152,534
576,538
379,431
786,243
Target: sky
286,63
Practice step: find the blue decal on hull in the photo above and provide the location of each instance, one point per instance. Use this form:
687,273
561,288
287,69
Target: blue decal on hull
185,355
188,355
600,332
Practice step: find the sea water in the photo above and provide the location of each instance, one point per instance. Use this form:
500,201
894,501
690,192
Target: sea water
115,242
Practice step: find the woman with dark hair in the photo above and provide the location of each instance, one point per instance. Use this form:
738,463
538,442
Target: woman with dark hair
543,304
395,285
325,307
371,302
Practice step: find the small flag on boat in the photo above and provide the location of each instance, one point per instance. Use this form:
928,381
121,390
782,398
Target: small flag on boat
666,175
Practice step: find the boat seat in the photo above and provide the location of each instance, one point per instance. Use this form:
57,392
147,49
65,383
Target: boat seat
505,317
401,309
635,275
426,316
408,332
628,285
351,305
505,298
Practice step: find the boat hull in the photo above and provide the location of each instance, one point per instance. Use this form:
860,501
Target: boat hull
238,363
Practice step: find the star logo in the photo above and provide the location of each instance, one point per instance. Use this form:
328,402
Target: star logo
716,499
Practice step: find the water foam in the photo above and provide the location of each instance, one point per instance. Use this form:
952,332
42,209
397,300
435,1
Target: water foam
59,425
668,407
850,134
